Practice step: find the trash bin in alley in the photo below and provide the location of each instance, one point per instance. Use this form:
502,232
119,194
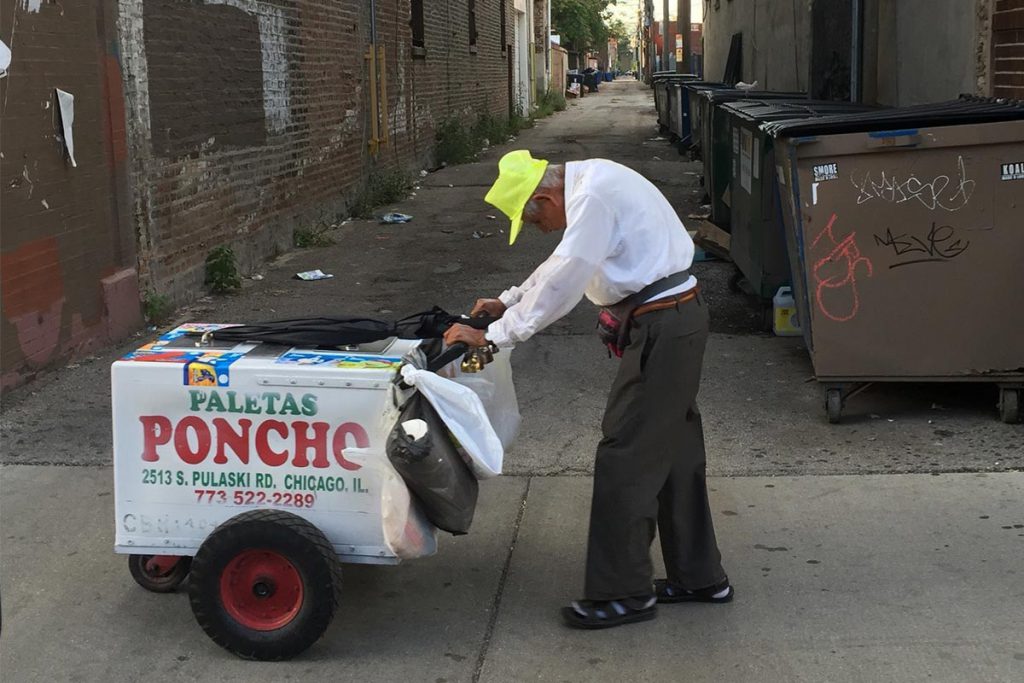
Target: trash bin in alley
904,232
720,144
679,109
758,243
661,83
694,96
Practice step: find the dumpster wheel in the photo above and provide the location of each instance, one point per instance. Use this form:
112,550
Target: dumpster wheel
834,405
159,573
265,585
1009,404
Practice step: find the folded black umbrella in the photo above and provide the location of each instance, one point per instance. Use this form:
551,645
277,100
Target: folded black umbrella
333,332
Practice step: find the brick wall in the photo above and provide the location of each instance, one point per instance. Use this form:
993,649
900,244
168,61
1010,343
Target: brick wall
67,277
250,118
1008,49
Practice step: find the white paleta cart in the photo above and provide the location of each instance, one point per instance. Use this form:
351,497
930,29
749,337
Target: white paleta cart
250,471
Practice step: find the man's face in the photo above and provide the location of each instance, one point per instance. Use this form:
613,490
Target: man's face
547,211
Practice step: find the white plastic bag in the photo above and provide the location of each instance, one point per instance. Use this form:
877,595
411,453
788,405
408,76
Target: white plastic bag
406,530
497,394
464,414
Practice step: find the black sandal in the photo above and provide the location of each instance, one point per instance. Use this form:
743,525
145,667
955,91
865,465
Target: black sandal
594,614
669,592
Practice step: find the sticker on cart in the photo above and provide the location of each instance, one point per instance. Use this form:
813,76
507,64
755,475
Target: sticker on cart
340,360
211,369
152,353
824,172
1013,171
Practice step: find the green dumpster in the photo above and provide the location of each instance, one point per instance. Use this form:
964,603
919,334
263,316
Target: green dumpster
720,145
758,244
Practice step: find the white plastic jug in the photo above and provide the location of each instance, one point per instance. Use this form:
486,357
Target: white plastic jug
785,322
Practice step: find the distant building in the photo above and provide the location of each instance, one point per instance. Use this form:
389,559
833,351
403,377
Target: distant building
896,52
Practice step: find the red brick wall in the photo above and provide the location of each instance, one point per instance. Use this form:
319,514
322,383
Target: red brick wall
250,118
1008,49
67,278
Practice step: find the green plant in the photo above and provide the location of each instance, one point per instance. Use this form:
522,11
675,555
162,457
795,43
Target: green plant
156,307
316,236
490,129
222,270
548,103
457,143
382,187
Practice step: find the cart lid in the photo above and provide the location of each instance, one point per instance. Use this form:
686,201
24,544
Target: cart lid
966,110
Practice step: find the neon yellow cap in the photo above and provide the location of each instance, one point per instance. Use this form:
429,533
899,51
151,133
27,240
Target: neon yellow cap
518,177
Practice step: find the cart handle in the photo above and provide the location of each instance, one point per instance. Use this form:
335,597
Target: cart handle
447,356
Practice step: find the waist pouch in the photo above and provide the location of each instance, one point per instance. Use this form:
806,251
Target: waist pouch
613,322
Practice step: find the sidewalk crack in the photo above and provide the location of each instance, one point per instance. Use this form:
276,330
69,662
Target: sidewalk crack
496,605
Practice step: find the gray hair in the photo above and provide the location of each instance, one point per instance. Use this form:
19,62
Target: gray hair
553,178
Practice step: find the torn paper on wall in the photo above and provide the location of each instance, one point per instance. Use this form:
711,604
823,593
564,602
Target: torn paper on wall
67,117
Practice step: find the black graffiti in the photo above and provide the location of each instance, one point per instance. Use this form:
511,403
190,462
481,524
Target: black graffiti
941,244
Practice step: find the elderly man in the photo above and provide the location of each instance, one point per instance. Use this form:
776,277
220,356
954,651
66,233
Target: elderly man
625,249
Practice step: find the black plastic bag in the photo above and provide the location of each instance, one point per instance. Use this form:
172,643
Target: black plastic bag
433,469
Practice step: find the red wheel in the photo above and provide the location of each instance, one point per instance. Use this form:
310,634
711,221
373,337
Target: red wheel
159,573
261,589
265,585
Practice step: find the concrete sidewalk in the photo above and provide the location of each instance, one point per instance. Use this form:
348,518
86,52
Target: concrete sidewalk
871,578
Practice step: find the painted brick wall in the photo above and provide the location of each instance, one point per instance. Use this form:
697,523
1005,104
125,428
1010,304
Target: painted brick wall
67,278
250,118
1008,49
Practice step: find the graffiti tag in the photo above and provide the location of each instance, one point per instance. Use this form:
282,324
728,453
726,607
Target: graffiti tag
939,192
940,245
835,274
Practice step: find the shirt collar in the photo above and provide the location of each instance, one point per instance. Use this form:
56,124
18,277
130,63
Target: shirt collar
572,171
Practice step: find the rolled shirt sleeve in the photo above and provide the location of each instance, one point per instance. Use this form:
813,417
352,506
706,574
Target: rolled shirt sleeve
559,283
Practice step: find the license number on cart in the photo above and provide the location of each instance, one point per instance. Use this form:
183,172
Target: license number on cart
298,500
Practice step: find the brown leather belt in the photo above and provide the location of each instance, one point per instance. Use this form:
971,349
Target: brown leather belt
668,302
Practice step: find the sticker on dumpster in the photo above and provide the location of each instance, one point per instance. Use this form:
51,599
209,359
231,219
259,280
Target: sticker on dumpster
746,159
823,172
1013,171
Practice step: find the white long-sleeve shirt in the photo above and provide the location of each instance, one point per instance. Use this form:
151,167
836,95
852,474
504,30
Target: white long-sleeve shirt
621,235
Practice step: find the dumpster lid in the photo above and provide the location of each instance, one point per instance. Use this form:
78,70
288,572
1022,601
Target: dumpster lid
721,95
966,110
762,111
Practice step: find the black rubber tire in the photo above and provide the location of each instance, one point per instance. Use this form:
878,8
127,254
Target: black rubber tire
165,583
302,544
834,405
1009,405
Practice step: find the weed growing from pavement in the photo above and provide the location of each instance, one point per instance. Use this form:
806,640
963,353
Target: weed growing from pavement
548,103
222,270
459,143
316,236
382,187
156,308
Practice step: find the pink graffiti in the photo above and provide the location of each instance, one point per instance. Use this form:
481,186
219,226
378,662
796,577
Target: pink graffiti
835,275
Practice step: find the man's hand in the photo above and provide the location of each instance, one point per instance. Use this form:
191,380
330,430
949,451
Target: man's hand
466,335
489,307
